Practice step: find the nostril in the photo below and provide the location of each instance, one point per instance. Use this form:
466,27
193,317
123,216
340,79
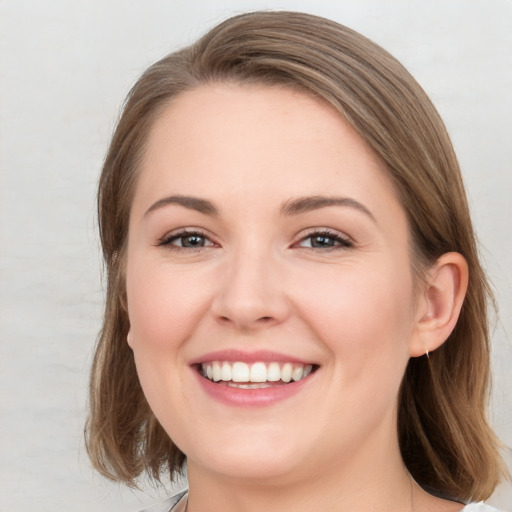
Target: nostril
261,321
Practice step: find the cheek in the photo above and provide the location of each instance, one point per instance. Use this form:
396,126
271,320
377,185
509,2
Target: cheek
163,308
163,305
358,311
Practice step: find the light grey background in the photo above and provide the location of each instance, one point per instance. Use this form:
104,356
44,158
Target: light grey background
65,68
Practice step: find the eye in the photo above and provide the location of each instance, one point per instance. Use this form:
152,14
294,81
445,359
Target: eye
325,239
186,240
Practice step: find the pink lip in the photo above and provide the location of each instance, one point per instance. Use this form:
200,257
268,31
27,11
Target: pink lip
238,397
247,357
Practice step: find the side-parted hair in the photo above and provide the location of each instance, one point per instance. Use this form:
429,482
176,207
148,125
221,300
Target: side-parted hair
444,435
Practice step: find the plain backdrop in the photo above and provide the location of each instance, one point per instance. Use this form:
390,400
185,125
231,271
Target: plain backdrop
65,68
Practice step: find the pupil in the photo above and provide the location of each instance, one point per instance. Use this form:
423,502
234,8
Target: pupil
322,241
193,241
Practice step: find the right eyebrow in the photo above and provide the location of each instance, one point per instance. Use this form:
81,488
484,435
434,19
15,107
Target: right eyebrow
310,203
190,202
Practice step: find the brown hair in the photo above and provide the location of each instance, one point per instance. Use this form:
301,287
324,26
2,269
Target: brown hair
444,436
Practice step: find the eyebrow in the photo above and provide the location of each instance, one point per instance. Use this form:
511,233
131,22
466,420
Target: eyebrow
290,207
190,202
307,204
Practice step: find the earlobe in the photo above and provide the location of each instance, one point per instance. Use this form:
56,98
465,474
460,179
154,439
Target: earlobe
129,339
440,306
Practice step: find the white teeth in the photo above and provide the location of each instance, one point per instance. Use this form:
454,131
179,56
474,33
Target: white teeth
240,372
273,372
297,373
258,372
225,372
286,372
255,385
254,375
216,371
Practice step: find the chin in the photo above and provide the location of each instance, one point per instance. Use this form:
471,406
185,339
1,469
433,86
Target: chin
249,460
262,470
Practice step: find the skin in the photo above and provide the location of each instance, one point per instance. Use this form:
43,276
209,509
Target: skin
257,283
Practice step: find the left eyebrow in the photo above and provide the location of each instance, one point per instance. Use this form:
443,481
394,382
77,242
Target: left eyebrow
307,204
190,202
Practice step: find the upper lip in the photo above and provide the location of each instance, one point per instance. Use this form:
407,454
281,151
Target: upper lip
234,355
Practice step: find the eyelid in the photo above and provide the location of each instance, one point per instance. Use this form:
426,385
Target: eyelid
182,232
346,242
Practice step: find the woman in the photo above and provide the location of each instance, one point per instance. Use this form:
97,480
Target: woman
295,304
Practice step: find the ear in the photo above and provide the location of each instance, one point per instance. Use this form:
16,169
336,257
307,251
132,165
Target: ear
129,339
440,304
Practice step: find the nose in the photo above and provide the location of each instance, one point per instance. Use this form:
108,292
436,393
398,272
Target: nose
251,295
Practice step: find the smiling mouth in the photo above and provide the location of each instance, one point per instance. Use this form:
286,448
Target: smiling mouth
257,375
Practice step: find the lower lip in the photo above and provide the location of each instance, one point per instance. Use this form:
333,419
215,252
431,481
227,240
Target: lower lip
258,397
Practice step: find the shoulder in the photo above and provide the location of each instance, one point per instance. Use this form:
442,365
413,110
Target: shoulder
176,503
479,507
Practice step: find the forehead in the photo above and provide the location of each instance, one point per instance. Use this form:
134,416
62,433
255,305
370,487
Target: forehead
259,142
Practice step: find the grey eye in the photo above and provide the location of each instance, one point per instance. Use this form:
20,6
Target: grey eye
323,241
187,240
192,240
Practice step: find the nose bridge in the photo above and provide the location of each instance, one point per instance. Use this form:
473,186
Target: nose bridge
251,294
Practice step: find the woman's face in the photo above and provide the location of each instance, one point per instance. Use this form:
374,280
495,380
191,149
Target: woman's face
266,244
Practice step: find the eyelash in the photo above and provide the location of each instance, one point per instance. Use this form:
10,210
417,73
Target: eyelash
168,239
342,242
